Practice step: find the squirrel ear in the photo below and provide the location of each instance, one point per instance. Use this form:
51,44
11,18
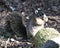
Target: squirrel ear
45,18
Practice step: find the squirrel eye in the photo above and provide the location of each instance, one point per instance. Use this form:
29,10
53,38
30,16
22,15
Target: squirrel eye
36,11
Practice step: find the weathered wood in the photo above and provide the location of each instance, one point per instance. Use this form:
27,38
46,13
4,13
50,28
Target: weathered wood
43,37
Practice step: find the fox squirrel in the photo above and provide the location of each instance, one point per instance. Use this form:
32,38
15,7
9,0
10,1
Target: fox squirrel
36,22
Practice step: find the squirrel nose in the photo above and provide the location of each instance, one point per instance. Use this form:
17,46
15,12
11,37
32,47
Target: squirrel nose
45,18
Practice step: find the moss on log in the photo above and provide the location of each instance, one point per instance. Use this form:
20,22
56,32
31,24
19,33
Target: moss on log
44,35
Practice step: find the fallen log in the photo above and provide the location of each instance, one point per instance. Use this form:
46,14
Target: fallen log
47,38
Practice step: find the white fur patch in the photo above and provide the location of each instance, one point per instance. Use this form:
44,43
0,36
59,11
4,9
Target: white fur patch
36,29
